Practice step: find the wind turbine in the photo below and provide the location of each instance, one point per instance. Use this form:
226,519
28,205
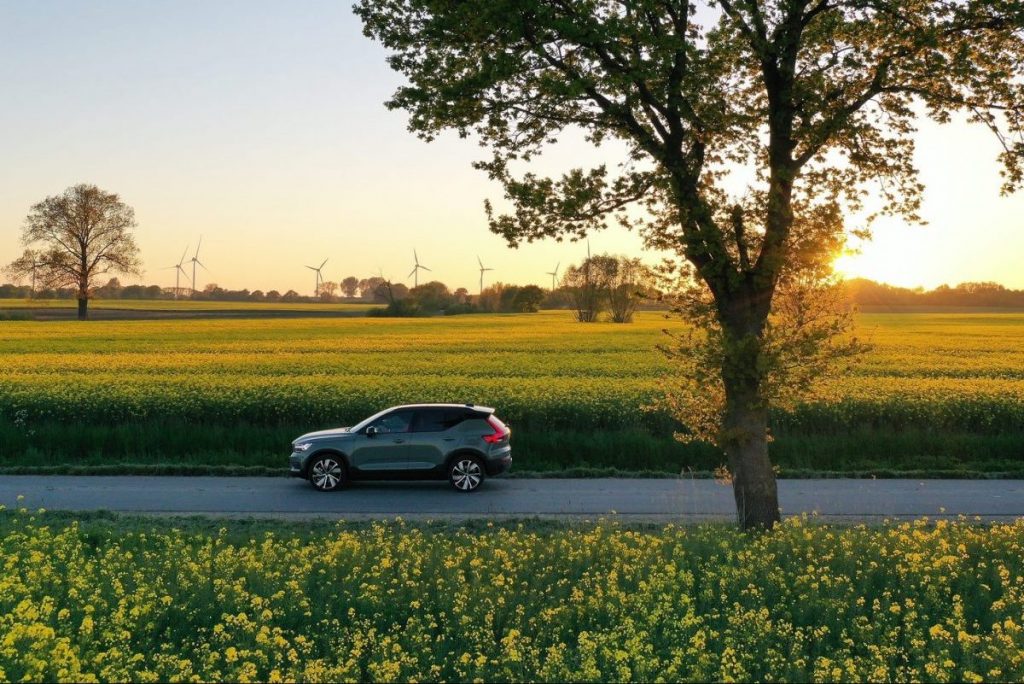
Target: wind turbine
553,275
195,260
416,270
319,277
178,270
482,269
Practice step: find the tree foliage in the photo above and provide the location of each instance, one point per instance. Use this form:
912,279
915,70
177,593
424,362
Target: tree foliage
806,341
349,286
740,119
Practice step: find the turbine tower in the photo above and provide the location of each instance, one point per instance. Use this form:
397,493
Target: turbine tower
554,274
195,261
319,277
482,269
415,273
178,270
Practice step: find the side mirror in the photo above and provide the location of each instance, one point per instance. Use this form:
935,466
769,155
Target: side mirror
372,430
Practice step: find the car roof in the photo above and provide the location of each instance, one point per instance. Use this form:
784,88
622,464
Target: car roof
475,407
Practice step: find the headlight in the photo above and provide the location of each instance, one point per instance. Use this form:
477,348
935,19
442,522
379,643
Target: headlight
302,447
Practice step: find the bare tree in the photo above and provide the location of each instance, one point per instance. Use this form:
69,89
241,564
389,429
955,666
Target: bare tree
629,284
328,290
82,234
588,286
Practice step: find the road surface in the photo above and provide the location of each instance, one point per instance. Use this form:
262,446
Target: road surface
634,499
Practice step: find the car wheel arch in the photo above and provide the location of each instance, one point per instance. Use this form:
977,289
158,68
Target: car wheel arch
463,452
326,451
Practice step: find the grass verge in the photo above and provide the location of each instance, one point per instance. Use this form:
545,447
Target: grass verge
175,446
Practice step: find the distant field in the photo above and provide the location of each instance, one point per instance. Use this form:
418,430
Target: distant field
939,393
182,305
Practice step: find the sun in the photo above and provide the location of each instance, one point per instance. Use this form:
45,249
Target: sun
845,265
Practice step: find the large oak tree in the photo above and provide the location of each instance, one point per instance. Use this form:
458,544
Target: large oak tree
81,234
813,102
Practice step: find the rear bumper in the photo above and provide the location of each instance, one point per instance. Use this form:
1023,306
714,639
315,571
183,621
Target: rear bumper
499,465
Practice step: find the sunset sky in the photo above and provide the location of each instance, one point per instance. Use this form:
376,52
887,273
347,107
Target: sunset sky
261,126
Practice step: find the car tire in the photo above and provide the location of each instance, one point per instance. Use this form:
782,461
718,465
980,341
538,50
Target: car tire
466,473
327,472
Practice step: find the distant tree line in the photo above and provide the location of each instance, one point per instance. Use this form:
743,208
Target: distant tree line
435,298
869,293
610,289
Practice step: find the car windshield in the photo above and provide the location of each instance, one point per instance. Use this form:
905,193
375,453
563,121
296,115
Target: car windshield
359,426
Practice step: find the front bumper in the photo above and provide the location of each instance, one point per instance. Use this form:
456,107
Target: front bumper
297,465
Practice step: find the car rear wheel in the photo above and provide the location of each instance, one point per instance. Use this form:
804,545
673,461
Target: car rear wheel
466,473
327,473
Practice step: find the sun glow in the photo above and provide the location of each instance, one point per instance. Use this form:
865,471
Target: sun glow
899,254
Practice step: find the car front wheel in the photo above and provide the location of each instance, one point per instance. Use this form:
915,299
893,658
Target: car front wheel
327,473
466,474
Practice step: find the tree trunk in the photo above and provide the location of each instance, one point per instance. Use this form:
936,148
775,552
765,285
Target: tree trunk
745,423
83,308
745,440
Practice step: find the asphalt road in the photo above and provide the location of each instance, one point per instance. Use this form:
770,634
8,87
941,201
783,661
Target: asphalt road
636,499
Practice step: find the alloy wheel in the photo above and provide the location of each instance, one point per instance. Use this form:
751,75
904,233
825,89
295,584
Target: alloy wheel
326,474
467,475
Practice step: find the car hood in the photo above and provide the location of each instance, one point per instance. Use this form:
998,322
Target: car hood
323,434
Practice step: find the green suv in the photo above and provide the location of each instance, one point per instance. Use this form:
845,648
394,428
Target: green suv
461,442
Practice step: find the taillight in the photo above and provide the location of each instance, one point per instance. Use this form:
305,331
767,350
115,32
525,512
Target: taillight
500,431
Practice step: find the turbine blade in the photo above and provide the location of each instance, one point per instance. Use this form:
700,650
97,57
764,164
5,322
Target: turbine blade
424,268
198,246
411,272
202,264
325,261
478,261
183,255
416,257
311,268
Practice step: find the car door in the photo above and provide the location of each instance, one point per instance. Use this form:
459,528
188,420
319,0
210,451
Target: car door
429,439
386,450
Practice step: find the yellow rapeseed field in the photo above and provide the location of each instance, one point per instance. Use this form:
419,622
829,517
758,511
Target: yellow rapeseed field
956,375
150,601
298,367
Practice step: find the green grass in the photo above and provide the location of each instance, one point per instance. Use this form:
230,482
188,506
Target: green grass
171,446
119,598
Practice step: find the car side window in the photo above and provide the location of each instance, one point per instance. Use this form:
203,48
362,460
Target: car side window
437,420
399,421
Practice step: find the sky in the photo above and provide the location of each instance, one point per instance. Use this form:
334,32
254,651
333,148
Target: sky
261,127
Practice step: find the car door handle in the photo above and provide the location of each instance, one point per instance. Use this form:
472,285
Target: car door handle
449,439
399,441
